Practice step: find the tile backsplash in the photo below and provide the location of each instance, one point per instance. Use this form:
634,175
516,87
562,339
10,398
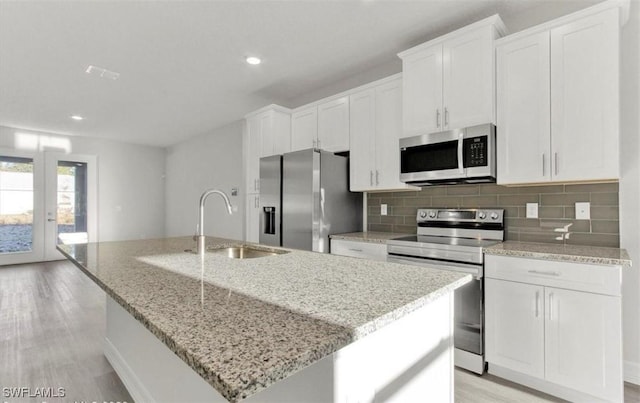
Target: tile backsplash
556,209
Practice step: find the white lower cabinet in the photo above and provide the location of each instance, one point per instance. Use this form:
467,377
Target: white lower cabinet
365,250
540,332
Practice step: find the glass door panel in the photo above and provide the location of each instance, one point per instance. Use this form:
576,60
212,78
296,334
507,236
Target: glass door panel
71,214
20,208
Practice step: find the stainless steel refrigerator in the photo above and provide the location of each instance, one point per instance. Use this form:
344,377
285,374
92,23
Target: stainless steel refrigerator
304,198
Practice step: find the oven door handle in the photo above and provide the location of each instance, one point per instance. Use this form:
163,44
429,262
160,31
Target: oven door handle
435,264
460,153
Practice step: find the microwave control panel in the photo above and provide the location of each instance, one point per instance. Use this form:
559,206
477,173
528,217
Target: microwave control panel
475,152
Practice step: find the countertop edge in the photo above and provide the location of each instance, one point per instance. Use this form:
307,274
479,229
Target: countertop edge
498,250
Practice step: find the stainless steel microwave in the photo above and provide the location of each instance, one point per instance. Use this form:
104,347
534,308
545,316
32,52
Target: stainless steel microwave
456,156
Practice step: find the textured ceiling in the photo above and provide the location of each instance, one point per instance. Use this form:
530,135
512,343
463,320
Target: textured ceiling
182,62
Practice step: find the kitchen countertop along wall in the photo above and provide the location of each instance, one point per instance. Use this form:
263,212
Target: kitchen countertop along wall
556,209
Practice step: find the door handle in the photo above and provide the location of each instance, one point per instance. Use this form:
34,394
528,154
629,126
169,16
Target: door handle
537,303
546,273
438,118
355,250
371,178
460,156
542,164
556,161
446,117
377,177
551,306
51,219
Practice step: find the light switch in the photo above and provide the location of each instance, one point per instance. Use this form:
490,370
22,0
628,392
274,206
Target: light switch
583,211
532,210
383,209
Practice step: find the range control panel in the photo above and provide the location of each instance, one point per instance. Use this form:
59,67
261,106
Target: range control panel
475,152
460,215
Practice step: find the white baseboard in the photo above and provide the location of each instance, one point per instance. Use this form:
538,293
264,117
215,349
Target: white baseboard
134,386
631,372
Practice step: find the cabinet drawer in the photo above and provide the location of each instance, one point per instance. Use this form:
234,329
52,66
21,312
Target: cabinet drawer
365,250
601,279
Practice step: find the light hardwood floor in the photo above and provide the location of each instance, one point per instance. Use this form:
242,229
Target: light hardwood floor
52,325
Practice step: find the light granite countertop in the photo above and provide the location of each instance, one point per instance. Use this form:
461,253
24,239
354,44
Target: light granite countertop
245,324
371,236
565,253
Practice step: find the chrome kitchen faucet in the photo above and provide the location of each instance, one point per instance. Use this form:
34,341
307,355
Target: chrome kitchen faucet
200,238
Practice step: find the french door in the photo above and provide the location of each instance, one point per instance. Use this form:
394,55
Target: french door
45,199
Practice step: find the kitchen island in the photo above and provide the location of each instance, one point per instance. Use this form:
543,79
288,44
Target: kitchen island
298,326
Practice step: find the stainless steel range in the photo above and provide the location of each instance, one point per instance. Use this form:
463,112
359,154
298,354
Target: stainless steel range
452,239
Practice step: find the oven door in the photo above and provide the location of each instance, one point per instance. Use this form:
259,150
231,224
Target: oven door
468,302
432,157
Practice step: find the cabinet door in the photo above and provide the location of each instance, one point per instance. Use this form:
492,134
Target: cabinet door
584,93
252,218
388,120
514,323
468,79
267,135
253,148
422,92
304,128
333,125
281,127
524,107
583,342
362,138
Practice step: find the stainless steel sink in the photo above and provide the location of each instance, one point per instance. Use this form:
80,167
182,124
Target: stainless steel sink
246,252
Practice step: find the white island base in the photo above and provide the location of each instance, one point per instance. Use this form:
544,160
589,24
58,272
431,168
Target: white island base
409,360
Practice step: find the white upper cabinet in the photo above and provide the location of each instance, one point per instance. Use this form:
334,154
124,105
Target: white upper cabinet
304,128
362,162
422,92
375,128
448,83
267,132
558,101
333,125
524,137
324,126
584,94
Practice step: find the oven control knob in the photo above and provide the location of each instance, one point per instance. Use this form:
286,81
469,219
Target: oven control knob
494,216
423,214
482,215
432,214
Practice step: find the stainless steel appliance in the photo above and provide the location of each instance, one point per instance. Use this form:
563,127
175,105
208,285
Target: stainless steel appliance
304,198
462,155
452,239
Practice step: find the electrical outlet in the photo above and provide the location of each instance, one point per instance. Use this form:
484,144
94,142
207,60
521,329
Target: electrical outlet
583,211
383,209
532,210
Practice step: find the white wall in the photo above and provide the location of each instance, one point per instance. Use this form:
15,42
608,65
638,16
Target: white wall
130,180
629,189
213,160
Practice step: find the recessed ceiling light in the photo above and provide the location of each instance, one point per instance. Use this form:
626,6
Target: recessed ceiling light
76,117
253,60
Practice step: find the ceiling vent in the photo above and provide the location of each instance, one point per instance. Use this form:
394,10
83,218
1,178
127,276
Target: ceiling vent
102,72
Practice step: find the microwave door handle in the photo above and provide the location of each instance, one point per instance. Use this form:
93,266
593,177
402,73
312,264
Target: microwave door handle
460,156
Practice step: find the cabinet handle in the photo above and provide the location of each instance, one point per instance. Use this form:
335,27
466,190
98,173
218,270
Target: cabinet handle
318,143
355,250
314,144
551,306
542,164
537,304
546,273
556,161
377,177
438,118
371,178
446,117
